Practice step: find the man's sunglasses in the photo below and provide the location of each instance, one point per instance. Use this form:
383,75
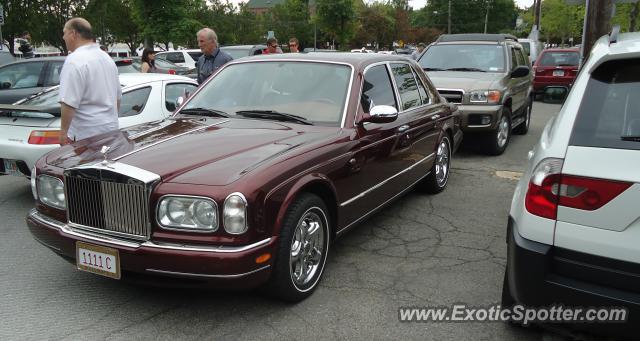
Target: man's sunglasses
274,46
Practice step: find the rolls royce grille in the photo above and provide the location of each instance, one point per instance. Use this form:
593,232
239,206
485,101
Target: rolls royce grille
119,208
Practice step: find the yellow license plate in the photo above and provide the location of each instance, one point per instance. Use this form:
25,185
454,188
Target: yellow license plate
99,260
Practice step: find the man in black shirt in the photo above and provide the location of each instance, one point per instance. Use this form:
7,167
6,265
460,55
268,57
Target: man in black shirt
25,45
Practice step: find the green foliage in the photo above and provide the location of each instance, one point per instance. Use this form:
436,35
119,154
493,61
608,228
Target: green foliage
467,16
560,21
112,22
337,18
166,20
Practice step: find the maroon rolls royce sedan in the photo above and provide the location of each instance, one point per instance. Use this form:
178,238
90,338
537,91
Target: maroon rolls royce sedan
253,178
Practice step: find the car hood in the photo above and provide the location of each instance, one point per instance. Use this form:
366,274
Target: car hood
194,151
466,81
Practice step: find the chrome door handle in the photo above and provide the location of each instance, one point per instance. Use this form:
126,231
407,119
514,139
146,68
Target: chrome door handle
403,128
435,117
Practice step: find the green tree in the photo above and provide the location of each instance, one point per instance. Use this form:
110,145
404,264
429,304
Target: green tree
376,25
337,18
52,16
291,19
18,15
165,21
468,16
112,21
559,21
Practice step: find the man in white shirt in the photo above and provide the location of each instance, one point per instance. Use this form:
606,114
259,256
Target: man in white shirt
90,90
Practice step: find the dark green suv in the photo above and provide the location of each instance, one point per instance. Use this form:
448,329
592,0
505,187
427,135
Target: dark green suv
488,76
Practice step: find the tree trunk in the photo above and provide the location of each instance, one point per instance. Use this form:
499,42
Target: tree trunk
598,23
633,17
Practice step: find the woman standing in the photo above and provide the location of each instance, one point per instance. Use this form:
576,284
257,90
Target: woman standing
148,61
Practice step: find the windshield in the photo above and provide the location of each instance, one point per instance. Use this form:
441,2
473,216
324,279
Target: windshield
488,58
314,91
236,53
560,58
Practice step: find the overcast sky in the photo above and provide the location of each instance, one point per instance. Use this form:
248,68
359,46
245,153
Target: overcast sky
416,4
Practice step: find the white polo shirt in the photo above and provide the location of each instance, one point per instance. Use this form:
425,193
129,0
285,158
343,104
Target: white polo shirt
89,83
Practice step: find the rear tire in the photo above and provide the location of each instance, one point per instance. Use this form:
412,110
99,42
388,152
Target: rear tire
438,177
302,249
496,142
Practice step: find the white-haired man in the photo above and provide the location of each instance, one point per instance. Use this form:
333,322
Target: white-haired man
212,57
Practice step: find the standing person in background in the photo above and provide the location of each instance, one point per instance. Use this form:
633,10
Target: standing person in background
212,57
294,45
25,45
416,54
148,61
90,90
272,47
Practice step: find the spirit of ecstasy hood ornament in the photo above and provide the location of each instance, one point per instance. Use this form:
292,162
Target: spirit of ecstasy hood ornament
104,150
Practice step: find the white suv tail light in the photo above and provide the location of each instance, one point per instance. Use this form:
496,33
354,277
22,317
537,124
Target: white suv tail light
549,188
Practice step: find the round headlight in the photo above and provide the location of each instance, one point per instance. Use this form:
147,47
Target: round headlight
176,211
204,213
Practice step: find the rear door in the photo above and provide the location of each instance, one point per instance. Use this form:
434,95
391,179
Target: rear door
601,172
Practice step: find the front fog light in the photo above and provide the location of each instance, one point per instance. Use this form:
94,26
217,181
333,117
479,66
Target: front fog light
486,119
188,213
235,214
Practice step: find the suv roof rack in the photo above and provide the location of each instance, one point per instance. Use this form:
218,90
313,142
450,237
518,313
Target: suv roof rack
613,36
476,37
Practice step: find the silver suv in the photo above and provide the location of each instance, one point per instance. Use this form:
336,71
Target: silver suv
489,77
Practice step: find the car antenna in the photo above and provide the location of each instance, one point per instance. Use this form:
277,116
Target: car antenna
613,36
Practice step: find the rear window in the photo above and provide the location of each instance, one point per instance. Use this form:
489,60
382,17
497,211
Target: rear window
609,115
560,59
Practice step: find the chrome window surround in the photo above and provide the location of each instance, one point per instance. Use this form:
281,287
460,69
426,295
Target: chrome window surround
215,204
279,60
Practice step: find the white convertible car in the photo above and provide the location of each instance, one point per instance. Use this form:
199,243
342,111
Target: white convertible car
30,127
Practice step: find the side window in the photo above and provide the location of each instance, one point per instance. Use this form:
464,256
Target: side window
174,90
162,56
175,57
377,89
514,59
53,74
407,86
195,55
521,59
22,75
424,95
134,101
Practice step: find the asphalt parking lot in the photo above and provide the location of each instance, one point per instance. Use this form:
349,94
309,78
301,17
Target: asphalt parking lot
422,251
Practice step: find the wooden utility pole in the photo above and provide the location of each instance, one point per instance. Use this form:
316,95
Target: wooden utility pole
597,22
536,13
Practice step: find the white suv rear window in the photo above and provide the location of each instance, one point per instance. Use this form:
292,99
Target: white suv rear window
609,115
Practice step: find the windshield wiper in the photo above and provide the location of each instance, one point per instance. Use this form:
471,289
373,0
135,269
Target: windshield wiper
433,69
204,112
274,114
465,69
633,138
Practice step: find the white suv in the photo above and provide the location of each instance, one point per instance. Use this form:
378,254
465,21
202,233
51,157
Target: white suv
187,58
574,226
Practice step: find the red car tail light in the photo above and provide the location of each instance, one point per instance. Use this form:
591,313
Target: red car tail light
549,188
542,196
44,137
589,193
172,71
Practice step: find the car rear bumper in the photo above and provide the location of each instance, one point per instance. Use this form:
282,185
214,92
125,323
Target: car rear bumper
227,267
541,275
540,84
471,117
24,154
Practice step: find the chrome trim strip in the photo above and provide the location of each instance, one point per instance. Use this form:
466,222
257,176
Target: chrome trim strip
187,274
169,138
366,215
449,89
479,126
359,196
67,230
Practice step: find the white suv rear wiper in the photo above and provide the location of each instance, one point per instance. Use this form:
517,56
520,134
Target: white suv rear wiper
633,138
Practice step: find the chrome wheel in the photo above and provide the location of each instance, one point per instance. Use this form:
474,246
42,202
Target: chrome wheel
503,132
442,162
307,247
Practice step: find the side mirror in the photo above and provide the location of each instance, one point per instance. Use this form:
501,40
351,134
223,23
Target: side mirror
381,114
555,94
520,71
5,85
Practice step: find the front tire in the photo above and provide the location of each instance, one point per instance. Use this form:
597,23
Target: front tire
497,141
302,249
438,178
